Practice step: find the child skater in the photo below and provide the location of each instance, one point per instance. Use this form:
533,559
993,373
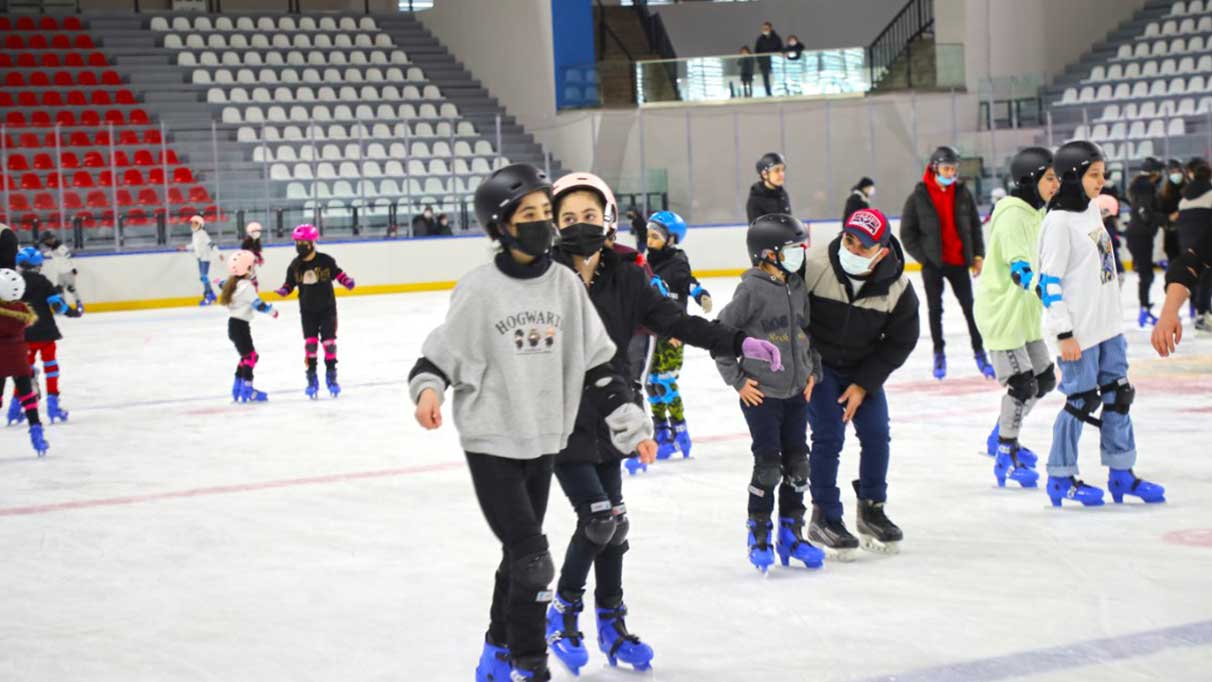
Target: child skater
666,230
1008,311
240,296
771,301
1082,310
63,271
15,316
588,468
252,244
204,250
521,345
313,273
45,299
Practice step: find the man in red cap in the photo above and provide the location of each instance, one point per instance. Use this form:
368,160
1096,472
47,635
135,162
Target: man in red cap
864,322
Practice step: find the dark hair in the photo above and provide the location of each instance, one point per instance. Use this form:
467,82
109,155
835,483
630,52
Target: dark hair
746,50
443,215
768,23
793,37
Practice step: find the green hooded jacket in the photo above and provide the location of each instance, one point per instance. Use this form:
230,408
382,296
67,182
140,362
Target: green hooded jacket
1008,315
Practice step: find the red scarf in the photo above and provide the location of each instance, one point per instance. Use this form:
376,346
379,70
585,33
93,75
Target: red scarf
943,199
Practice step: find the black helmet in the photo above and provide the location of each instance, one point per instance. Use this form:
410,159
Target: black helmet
772,232
498,196
944,155
769,160
1029,165
1073,158
1152,165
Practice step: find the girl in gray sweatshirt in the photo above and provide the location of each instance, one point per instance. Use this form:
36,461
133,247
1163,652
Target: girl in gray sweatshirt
521,344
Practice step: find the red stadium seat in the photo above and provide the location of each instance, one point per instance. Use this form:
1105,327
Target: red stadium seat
43,162
39,79
87,78
174,196
76,98
152,136
6,99
83,42
94,160
9,180
5,60
27,99
120,159
185,213
213,215
110,78
182,176
72,24
31,181
25,24
52,98
44,202
73,59
49,60
37,42
26,60
139,117
91,119
14,43
148,197
128,137
133,177
105,179
53,179
97,59
17,162
5,24
30,141
18,202
63,78
96,200
144,158
40,119
170,158
48,24
125,97
69,160
82,179
137,216
61,42
100,98
79,138
14,79
101,138
155,175
124,198
72,201
199,194
65,117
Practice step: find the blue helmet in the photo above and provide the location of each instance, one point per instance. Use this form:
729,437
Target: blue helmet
670,224
29,258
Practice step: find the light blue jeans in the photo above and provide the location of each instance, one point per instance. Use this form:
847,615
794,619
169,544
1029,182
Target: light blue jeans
1099,365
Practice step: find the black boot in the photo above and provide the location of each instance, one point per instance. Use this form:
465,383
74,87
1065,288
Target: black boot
877,532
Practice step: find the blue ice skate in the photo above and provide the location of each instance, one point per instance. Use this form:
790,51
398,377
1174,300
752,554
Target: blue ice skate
792,545
530,669
982,364
563,636
1123,482
617,643
207,298
634,465
37,440
1070,488
237,389
940,365
53,411
663,435
1146,318
681,437
1025,456
330,378
494,664
761,554
313,385
1009,465
249,394
16,415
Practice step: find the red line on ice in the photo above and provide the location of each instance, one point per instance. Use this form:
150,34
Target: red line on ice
228,489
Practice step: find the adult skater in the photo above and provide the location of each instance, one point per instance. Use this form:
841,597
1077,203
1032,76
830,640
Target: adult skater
941,228
588,469
768,195
1082,307
1142,232
1195,219
864,322
521,345
859,197
1008,312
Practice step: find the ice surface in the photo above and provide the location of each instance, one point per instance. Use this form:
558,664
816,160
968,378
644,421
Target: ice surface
171,535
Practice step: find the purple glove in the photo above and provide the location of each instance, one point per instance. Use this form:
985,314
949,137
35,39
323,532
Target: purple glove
283,292
757,349
346,281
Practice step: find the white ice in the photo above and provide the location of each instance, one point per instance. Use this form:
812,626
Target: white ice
172,535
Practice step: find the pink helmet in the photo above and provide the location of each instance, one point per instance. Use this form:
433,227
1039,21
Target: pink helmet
305,233
253,230
589,181
240,263
1107,205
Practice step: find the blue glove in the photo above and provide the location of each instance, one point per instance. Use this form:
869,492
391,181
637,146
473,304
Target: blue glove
57,303
1020,273
702,297
659,285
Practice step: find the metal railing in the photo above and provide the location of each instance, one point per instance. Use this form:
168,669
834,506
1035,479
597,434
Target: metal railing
820,73
914,20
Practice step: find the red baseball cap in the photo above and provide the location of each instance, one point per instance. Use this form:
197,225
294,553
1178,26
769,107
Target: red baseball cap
870,226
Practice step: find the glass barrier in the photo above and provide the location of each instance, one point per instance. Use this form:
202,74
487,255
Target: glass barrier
820,73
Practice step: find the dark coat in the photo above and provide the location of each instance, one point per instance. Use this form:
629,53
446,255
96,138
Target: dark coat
1142,194
38,289
857,201
921,230
15,316
767,45
1194,213
673,266
424,227
624,300
764,201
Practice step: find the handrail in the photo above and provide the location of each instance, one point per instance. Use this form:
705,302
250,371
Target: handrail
914,19
603,30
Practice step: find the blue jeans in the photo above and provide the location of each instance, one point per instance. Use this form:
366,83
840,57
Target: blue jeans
1098,366
829,435
204,275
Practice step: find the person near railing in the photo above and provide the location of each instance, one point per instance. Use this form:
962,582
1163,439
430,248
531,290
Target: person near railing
767,43
746,65
768,196
443,226
793,66
860,197
941,229
423,225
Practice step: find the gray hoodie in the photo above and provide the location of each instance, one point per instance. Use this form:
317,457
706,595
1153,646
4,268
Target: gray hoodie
516,352
765,308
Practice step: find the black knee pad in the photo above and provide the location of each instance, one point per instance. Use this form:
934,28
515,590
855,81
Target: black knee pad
622,525
1022,387
533,572
598,527
1125,394
795,472
766,473
1083,405
1045,381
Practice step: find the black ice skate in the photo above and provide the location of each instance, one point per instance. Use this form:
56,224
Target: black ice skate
877,533
831,535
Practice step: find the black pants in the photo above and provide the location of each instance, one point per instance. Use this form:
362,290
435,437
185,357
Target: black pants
1202,296
747,86
240,333
593,489
766,79
25,389
779,428
961,286
513,496
1141,248
320,328
1171,243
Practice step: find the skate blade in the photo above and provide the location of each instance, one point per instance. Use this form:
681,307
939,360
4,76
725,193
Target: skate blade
871,544
629,670
845,555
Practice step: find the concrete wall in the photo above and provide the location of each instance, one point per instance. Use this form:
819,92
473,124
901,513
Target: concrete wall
707,29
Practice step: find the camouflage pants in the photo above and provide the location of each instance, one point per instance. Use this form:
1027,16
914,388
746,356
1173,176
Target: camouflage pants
662,385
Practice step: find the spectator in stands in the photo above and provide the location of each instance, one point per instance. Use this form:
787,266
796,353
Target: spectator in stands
746,64
1171,193
767,43
941,229
793,49
424,225
639,228
860,197
443,229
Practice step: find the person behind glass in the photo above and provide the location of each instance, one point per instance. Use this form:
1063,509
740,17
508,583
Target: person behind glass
1167,202
443,226
1142,232
767,43
746,64
768,196
941,229
424,225
860,197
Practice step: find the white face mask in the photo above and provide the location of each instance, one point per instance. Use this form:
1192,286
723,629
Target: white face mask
870,192
793,257
853,263
766,33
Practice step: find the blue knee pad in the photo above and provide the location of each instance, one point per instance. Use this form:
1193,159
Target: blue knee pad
662,388
51,369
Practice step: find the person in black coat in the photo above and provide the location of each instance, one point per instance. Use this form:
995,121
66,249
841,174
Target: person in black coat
768,42
1167,202
860,198
639,228
768,196
1141,232
1194,220
443,226
424,225
746,65
8,247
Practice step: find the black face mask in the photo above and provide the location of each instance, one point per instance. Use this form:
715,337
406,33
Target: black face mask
303,248
534,238
582,239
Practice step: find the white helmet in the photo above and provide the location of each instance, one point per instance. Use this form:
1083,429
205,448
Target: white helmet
253,230
12,285
589,181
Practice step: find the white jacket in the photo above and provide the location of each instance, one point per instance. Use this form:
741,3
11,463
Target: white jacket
245,301
202,246
1077,278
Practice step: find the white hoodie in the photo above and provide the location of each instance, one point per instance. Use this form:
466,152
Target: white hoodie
1077,278
202,245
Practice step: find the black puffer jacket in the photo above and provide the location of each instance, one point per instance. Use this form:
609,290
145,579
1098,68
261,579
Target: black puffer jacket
867,334
1194,213
764,201
1142,194
921,230
624,300
8,248
857,201
673,266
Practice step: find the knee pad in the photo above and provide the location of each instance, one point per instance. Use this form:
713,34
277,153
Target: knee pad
1124,393
330,348
1022,387
599,526
311,344
766,473
795,472
654,395
1083,405
1045,381
622,525
534,572
664,386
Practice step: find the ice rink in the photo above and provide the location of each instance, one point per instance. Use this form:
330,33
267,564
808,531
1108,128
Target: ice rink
172,535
